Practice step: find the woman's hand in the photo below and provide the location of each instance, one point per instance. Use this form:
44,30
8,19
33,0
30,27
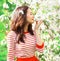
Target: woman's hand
38,23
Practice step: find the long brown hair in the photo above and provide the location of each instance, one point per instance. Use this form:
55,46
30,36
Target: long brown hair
18,22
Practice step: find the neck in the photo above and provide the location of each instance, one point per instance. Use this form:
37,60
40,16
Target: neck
26,28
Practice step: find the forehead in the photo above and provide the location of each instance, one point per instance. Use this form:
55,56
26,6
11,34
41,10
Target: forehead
29,10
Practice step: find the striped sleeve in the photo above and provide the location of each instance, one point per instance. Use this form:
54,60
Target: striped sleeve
10,46
39,48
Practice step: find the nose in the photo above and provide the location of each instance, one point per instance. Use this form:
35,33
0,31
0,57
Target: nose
32,16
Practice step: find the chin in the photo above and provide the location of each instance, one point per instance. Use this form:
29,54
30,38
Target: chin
32,22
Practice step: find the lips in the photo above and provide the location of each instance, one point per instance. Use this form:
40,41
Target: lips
32,19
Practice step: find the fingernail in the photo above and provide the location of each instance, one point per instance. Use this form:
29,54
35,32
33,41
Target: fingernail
36,22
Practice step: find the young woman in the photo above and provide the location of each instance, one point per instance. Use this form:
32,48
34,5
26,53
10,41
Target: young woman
22,40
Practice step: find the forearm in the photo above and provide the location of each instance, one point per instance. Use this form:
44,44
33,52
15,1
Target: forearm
39,40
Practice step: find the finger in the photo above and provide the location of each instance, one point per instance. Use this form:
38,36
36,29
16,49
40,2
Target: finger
36,22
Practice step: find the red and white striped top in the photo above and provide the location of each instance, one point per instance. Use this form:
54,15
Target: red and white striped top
26,49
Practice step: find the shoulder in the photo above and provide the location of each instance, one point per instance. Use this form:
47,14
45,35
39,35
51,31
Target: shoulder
11,34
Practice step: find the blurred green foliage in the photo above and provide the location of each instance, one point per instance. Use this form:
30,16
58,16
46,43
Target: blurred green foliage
5,10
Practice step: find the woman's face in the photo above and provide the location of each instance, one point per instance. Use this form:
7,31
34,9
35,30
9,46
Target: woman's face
30,17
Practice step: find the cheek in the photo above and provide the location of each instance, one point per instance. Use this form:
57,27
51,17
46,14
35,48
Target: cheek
29,18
